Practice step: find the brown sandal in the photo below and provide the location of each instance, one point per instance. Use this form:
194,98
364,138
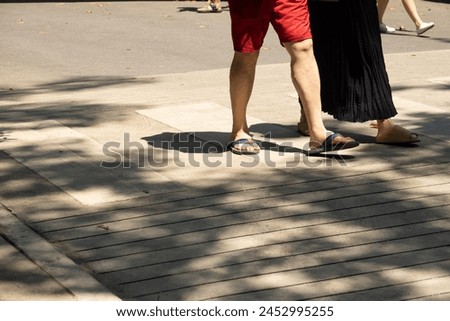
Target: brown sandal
397,135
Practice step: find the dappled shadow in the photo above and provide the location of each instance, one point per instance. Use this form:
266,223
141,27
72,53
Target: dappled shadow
413,34
436,87
216,142
3,136
374,230
436,125
377,229
69,101
206,142
71,114
187,9
440,1
265,240
71,85
262,247
21,279
35,130
190,142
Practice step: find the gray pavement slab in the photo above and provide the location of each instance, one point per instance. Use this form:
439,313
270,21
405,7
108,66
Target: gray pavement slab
101,119
32,269
22,279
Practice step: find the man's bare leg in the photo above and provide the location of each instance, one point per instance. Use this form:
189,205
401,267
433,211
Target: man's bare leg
242,77
305,77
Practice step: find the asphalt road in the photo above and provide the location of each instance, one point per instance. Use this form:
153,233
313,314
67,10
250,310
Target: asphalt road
45,42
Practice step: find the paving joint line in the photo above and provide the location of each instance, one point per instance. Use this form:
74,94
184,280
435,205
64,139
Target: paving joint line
78,282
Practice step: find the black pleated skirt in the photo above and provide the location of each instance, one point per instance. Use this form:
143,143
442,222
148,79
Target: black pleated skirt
347,45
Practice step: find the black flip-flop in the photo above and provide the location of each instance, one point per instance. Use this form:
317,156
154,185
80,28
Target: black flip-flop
329,146
243,141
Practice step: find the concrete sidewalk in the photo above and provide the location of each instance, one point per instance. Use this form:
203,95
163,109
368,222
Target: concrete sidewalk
117,187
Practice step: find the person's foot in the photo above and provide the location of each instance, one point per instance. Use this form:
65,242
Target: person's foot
244,146
424,26
333,142
386,29
241,142
389,133
210,8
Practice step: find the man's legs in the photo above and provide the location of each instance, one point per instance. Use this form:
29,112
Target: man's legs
305,77
242,76
250,20
291,25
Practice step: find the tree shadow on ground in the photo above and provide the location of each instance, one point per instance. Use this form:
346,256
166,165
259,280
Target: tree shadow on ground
230,233
217,142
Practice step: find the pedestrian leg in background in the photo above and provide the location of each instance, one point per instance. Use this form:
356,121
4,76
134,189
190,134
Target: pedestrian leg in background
213,6
411,9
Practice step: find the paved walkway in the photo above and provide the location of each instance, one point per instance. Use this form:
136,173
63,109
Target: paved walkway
119,188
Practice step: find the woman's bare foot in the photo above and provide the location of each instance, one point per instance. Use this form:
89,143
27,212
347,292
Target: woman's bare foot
389,133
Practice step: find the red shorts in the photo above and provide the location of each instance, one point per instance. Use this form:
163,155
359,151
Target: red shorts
250,21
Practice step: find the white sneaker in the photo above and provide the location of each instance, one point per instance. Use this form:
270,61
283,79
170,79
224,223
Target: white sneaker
386,29
425,26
